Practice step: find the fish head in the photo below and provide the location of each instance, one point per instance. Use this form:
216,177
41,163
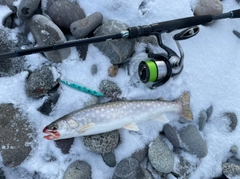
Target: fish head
52,131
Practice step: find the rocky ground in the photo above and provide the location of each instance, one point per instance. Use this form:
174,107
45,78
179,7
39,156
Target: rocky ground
156,160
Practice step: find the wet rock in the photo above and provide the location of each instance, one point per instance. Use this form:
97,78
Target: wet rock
232,118
64,12
81,28
94,69
128,168
16,135
78,169
109,88
45,32
109,159
26,8
64,144
160,156
171,135
231,170
193,142
117,50
102,143
208,7
202,119
113,70
140,154
48,104
41,81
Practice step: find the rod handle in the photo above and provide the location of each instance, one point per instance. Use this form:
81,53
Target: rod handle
235,13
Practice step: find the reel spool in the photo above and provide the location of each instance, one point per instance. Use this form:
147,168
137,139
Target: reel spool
161,67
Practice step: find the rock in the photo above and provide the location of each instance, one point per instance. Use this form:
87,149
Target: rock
234,149
193,142
64,144
77,170
41,81
49,103
2,176
113,70
9,21
26,8
10,4
81,28
160,156
140,154
9,66
109,159
233,160
209,112
102,143
109,88
117,50
64,12
231,170
208,7
171,135
128,168
16,133
202,119
94,69
232,118
147,174
45,32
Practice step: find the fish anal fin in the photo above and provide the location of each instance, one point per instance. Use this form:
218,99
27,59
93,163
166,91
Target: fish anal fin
132,127
162,118
83,129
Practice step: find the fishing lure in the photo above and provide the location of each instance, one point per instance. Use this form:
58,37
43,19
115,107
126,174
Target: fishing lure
82,88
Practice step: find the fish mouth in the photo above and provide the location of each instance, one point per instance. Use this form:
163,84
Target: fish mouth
52,134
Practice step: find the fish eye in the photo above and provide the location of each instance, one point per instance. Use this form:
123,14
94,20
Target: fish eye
54,127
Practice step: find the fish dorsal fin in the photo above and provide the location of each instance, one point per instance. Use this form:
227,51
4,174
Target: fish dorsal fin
132,127
86,127
162,118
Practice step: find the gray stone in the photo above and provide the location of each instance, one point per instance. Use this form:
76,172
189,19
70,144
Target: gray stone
45,33
231,170
9,21
147,174
64,12
234,149
128,168
140,154
10,4
102,143
77,170
202,119
193,142
208,7
85,26
40,82
2,176
117,50
232,118
109,88
26,8
109,159
160,156
16,135
209,112
171,135
94,69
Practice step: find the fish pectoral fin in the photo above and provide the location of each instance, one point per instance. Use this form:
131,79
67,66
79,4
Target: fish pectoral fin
132,127
162,118
84,128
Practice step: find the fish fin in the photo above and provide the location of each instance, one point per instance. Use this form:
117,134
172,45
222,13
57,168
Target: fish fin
132,127
186,111
83,129
162,118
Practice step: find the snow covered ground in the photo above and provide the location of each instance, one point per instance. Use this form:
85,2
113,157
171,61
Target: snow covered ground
210,74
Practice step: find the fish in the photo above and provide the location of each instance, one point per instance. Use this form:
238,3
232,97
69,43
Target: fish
113,115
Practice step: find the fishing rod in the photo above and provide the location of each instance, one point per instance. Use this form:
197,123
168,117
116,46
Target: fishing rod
163,66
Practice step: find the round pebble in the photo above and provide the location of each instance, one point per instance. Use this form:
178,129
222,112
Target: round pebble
109,159
208,7
231,170
109,88
232,118
27,8
140,154
113,70
202,119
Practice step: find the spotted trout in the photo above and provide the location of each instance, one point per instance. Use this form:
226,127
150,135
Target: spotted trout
110,116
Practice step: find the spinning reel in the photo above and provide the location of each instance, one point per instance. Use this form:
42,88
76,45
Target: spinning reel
162,66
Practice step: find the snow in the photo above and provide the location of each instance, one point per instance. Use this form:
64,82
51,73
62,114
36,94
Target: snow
210,75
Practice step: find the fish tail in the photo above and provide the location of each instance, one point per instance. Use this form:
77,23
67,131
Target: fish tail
185,102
